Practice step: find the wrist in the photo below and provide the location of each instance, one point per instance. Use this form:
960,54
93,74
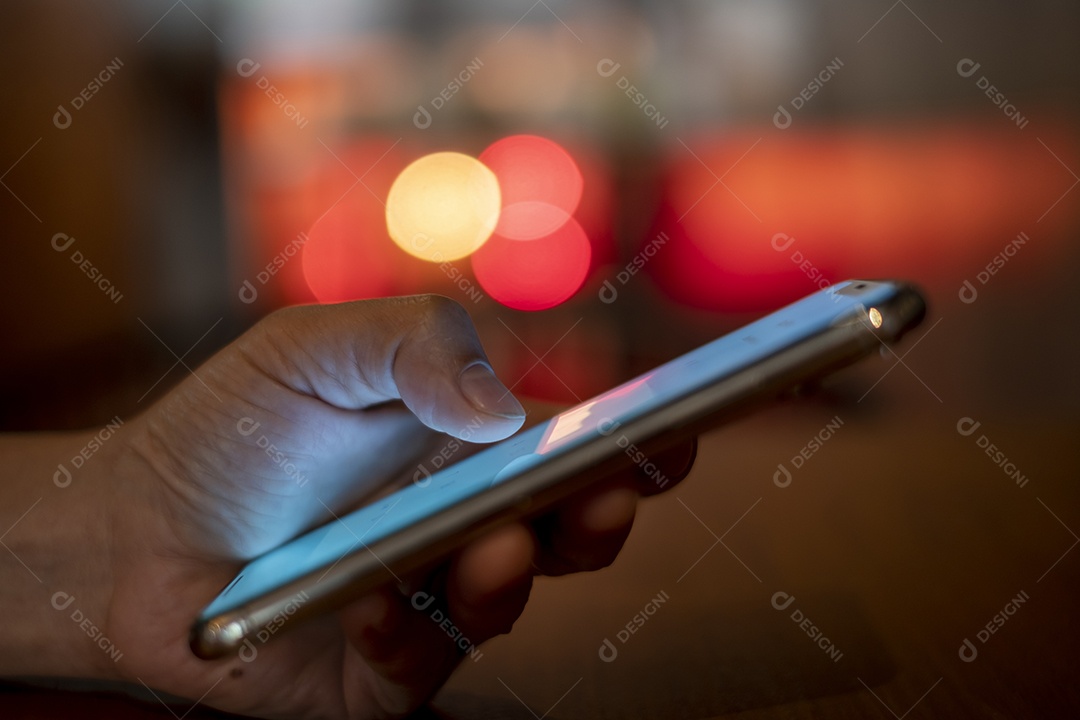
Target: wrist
56,521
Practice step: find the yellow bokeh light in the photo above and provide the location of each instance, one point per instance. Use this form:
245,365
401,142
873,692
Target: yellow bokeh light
443,206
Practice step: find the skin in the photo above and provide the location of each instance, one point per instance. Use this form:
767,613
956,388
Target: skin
160,518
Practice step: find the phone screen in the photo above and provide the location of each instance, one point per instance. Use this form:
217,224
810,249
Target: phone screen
323,547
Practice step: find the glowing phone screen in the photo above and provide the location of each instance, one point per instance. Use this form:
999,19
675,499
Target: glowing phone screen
502,461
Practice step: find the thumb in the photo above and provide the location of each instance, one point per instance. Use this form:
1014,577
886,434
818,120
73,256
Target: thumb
422,349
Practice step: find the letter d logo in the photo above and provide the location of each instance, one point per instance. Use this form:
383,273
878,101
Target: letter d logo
422,118
608,293
248,652
62,477
245,426
61,242
966,426
422,476
422,600
608,652
421,241
781,241
247,67
248,294
607,67
782,600
607,426
968,651
782,477
966,68
62,118
61,600
782,118
968,293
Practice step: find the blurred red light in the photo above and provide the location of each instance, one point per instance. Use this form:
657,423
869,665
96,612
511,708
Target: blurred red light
596,209
348,254
540,183
689,275
342,261
918,201
534,275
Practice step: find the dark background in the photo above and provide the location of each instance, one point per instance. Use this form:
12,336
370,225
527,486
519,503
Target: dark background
179,180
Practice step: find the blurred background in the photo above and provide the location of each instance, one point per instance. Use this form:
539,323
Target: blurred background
172,172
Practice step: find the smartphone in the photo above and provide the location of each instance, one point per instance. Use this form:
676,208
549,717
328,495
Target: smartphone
529,472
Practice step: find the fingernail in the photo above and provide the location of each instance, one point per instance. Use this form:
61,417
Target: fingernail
488,395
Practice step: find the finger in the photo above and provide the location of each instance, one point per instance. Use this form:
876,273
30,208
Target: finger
588,531
659,472
422,349
490,580
408,652
413,642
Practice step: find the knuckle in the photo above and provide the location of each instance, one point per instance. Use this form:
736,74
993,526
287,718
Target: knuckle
439,308
437,316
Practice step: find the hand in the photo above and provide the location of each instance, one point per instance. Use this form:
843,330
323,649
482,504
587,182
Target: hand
294,421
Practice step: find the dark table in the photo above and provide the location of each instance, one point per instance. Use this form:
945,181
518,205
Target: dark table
901,572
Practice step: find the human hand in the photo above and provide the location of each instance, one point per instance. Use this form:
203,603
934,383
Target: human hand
204,492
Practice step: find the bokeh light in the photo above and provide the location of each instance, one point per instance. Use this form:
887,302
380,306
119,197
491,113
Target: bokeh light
534,275
917,200
443,206
541,185
348,254
339,264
